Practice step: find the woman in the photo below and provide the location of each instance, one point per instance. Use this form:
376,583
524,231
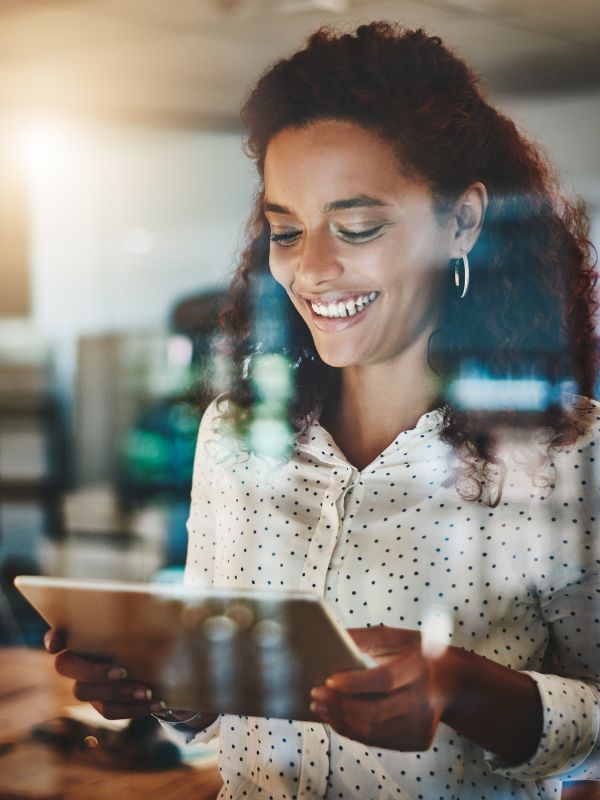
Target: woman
416,233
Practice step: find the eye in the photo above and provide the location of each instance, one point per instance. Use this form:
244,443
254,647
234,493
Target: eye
285,239
360,236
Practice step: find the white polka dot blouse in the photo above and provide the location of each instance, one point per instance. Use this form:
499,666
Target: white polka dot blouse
385,545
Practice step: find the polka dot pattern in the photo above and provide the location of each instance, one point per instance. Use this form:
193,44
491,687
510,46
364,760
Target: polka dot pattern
383,546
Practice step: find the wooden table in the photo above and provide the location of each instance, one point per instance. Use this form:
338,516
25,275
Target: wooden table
31,692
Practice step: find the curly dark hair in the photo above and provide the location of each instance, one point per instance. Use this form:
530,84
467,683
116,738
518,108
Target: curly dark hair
531,304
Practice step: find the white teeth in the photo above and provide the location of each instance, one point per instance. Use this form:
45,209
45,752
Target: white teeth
346,308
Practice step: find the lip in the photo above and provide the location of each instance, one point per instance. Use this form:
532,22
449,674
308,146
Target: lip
333,297
334,324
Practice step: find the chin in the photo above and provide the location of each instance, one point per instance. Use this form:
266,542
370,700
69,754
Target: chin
338,359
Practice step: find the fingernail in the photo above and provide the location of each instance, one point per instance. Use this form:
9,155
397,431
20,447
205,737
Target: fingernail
116,674
47,640
159,705
331,683
319,708
318,693
142,694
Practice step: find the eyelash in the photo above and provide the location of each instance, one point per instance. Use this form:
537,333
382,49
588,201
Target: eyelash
288,239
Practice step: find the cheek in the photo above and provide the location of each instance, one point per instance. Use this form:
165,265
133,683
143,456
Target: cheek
415,268
280,268
283,273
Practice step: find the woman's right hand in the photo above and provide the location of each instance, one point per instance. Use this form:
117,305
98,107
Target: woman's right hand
105,686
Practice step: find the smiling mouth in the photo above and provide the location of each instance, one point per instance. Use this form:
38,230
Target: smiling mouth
349,307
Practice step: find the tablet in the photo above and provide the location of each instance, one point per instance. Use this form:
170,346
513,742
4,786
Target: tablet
214,650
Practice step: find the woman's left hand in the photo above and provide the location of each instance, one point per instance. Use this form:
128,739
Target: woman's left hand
397,704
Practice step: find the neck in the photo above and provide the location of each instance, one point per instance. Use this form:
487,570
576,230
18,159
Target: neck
379,401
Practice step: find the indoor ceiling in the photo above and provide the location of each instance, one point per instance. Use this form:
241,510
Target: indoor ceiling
190,62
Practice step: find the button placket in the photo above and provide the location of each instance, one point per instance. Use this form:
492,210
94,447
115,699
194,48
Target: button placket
326,534
315,768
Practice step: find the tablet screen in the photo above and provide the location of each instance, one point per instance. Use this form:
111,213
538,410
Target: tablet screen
215,650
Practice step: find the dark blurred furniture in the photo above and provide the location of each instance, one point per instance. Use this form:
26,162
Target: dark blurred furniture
157,460
197,315
34,474
33,477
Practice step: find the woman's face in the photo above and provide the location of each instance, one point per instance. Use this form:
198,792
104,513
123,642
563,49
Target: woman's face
354,242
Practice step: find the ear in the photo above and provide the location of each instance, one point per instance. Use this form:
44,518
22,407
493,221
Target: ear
467,218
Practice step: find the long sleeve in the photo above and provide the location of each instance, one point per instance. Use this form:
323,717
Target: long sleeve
182,736
199,570
564,553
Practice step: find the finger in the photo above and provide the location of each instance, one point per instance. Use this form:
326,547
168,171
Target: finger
396,673
81,669
360,717
116,710
322,700
322,693
381,640
337,725
121,691
328,715
375,711
406,718
341,729
352,717
54,640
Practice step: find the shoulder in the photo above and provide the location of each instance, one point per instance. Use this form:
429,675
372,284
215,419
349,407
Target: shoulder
213,413
585,414
564,518
576,461
581,442
574,457
542,463
217,440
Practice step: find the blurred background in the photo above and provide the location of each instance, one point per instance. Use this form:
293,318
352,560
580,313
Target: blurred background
123,198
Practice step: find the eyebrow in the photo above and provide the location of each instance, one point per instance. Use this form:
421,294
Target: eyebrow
361,201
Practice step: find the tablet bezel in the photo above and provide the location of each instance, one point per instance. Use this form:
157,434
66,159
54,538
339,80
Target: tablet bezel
163,644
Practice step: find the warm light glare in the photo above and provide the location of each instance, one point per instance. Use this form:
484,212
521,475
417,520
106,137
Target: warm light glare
436,633
45,147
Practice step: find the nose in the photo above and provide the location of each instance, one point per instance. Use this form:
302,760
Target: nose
318,262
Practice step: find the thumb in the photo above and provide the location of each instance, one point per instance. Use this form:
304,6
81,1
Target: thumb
54,640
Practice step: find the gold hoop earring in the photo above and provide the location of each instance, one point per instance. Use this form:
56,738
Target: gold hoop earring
466,277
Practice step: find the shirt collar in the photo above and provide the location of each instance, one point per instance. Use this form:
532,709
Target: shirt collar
421,443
